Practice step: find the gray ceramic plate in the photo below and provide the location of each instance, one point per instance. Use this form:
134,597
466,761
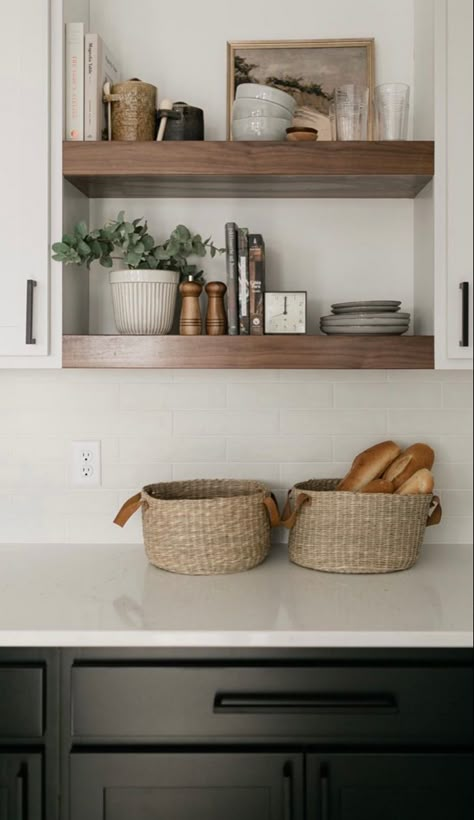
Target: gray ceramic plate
363,305
369,314
350,330
355,321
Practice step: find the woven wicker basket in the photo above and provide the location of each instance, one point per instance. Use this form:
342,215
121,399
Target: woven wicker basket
354,532
205,527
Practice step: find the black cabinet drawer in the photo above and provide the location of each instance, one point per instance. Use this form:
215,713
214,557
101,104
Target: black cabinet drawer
313,703
21,702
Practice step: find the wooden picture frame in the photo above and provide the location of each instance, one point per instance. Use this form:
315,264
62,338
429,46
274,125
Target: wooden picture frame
263,58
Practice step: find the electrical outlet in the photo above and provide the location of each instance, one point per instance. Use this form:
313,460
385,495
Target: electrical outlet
86,464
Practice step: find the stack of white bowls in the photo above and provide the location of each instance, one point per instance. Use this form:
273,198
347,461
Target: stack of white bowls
261,113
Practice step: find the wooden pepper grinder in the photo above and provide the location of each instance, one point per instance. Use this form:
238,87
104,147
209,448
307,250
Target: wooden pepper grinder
216,320
190,322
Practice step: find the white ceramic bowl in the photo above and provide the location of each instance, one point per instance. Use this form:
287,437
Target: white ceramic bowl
144,301
242,109
253,91
260,128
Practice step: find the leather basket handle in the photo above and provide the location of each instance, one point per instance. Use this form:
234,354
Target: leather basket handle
435,512
289,518
272,510
128,509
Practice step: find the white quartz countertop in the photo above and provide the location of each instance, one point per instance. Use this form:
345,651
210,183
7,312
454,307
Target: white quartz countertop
108,595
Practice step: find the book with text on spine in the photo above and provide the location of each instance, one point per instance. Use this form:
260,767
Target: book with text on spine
100,67
232,278
256,282
74,114
244,294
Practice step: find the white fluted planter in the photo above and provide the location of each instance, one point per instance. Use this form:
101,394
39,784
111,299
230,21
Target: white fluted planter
144,301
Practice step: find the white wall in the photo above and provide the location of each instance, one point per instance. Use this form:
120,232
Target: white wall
279,427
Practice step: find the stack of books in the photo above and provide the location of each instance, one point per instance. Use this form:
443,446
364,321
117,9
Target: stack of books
89,65
245,281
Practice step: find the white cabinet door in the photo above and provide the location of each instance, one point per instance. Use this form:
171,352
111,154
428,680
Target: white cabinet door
24,177
453,237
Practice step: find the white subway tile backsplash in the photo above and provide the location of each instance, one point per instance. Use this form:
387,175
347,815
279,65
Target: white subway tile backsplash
278,427
390,394
333,422
267,473
458,396
208,423
279,448
428,422
171,449
178,396
257,396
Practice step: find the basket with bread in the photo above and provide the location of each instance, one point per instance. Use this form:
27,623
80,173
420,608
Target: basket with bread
373,520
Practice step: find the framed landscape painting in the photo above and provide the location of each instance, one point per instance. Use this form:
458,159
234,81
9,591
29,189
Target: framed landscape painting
309,70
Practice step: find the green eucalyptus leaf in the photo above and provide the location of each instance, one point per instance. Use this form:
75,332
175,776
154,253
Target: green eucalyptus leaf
106,262
81,229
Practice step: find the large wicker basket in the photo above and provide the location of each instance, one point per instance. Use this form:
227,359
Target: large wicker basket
205,527
355,532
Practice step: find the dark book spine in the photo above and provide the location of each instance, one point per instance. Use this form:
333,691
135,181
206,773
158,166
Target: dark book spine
244,292
232,278
257,283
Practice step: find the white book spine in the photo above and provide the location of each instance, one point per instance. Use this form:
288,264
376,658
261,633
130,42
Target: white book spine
92,97
74,81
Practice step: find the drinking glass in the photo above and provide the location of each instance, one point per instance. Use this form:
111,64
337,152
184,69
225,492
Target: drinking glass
351,107
391,108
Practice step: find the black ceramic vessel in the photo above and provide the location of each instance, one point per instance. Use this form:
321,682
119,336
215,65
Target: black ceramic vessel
185,122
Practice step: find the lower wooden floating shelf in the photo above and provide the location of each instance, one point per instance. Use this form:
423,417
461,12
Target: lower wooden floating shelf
250,352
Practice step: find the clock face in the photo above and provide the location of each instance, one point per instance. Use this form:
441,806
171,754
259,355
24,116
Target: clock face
285,312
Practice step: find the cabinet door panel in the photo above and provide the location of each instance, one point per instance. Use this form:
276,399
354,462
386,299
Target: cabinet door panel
392,787
186,786
459,171
20,787
24,174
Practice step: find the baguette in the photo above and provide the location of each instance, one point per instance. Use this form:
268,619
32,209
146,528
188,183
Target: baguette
421,482
414,458
378,485
368,465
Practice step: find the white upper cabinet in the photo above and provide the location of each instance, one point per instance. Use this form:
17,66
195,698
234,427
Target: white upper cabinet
25,183
453,184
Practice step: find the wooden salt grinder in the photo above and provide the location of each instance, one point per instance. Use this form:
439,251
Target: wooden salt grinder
190,322
216,320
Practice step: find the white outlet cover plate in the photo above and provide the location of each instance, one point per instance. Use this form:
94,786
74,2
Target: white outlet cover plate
86,464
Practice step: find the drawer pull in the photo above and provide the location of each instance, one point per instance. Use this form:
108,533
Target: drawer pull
30,286
464,287
21,793
288,791
304,703
324,791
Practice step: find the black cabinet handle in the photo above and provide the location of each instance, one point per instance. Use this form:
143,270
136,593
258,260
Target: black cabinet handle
464,287
288,792
324,791
30,286
21,793
304,703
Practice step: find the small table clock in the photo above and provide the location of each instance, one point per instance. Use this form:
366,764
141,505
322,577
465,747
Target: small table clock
285,311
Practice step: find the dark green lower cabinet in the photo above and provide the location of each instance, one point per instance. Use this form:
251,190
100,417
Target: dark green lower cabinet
390,787
20,787
182,786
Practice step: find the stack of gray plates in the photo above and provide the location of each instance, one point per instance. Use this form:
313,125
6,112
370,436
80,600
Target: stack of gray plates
375,318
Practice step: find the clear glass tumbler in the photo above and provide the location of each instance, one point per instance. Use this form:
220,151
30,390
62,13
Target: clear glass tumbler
391,109
351,121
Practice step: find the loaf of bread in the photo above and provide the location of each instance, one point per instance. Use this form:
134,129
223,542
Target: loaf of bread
414,458
368,465
378,485
421,482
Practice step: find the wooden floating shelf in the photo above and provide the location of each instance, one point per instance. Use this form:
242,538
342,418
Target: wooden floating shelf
249,169
250,352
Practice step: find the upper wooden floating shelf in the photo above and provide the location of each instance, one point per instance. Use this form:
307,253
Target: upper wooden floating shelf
249,169
250,352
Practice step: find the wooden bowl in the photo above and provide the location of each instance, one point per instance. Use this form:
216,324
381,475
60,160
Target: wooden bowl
298,133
